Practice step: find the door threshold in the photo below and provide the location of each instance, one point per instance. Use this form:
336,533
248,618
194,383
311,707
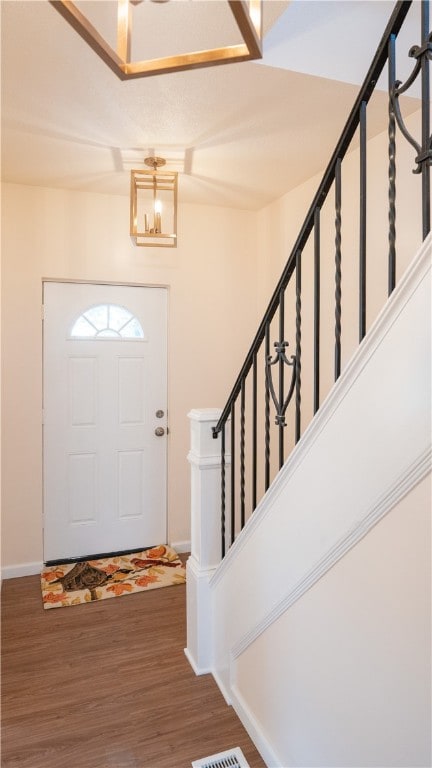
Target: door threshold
98,556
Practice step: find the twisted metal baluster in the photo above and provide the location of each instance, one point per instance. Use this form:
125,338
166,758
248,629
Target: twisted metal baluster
392,168
362,220
232,472
298,347
254,431
317,307
338,275
242,456
267,413
223,490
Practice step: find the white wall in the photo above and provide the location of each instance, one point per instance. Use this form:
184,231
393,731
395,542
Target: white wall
49,233
357,689
352,686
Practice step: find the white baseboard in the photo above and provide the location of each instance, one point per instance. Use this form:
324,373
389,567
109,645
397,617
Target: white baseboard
194,665
222,687
24,569
181,546
255,732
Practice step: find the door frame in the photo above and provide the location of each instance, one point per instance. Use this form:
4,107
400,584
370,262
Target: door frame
114,283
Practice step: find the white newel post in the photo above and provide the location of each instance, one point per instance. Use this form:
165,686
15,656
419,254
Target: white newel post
205,460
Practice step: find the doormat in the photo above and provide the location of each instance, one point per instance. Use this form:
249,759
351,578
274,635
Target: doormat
90,580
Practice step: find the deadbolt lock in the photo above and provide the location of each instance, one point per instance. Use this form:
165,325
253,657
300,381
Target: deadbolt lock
159,414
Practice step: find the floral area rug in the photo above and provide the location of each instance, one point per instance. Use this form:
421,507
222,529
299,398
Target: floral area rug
76,583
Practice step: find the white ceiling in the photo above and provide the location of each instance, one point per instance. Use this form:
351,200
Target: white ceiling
240,134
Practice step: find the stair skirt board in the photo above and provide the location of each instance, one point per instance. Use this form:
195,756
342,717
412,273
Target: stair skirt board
232,758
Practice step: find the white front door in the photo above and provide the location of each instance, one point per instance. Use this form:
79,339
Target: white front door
105,424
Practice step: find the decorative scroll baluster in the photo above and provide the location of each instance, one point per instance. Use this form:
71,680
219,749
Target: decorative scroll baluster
242,456
298,348
362,233
426,137
254,431
316,308
392,167
267,413
281,374
280,404
422,54
338,275
223,489
233,486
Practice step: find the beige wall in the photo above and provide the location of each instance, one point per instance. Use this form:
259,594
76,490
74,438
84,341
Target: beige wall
61,234
220,277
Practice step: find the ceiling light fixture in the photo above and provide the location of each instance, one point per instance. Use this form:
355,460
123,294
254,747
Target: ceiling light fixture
247,14
153,205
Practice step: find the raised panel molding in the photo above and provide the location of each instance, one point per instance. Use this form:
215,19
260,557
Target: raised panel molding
130,484
82,480
82,378
413,475
131,387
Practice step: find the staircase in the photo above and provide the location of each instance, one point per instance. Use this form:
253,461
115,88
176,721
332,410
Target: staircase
309,577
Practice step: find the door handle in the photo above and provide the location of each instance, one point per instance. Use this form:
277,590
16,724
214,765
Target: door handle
159,431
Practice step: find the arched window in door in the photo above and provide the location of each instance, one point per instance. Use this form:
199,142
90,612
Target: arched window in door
107,321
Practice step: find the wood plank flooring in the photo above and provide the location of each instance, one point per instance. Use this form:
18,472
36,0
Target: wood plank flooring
107,685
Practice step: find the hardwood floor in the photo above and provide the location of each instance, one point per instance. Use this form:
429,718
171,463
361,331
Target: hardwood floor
107,685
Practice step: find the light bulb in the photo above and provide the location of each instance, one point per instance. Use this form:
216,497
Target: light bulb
157,216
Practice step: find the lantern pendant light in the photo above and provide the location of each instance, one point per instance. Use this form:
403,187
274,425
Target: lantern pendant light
153,205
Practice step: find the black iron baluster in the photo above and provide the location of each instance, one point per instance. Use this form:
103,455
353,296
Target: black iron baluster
394,25
392,167
316,309
281,373
338,274
298,348
232,472
242,456
426,138
312,221
267,413
223,489
363,214
254,431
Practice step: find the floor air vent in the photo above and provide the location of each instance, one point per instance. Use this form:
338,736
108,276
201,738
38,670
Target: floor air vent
232,758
